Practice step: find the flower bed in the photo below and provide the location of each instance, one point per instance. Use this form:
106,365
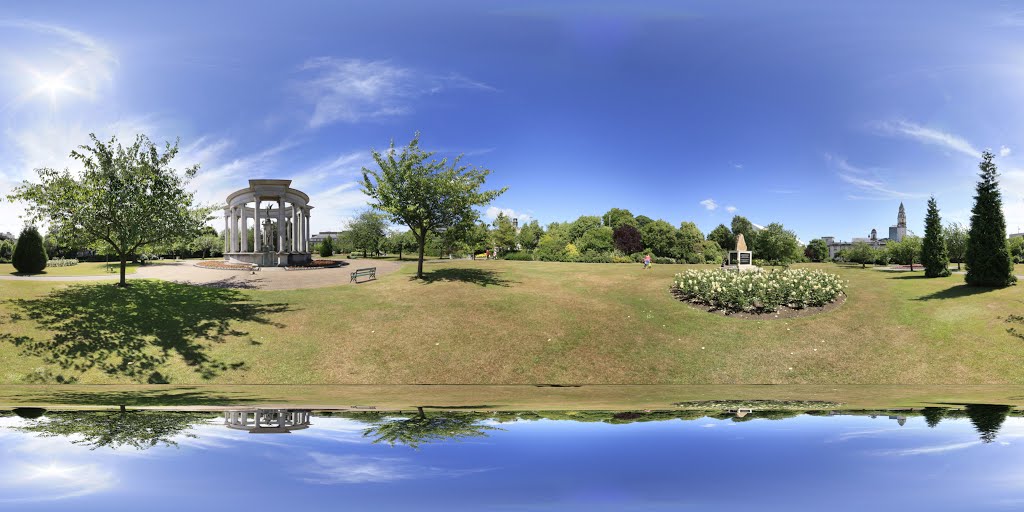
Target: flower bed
318,264
758,291
223,265
61,262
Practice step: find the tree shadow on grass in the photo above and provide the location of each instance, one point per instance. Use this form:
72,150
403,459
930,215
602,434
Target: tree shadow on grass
482,277
135,331
171,396
955,292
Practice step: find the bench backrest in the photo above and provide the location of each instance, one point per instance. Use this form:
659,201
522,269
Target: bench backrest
366,271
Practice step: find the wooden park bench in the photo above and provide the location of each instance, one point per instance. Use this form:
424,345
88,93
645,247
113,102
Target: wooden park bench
363,272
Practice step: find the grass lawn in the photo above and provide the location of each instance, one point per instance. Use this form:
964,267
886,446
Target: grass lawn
504,322
98,268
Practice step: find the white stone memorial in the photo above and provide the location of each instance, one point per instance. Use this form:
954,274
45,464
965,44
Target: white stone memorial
279,218
267,421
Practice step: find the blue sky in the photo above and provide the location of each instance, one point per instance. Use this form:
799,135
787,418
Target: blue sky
841,463
822,116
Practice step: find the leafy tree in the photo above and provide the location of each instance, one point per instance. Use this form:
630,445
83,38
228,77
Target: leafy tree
421,429
860,253
934,256
906,251
712,252
659,238
425,195
368,231
642,220
740,224
113,429
478,238
987,419
327,247
627,239
723,235
550,248
583,224
125,197
29,254
775,243
616,218
504,234
206,244
6,251
689,241
988,259
596,240
400,242
956,242
817,250
529,235
1016,247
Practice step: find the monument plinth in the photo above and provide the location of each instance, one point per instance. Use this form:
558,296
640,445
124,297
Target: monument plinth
740,258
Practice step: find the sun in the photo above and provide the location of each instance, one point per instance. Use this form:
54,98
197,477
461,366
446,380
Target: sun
51,85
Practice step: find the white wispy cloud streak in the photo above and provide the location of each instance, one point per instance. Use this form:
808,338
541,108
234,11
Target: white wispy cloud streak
709,204
354,90
865,180
328,469
928,135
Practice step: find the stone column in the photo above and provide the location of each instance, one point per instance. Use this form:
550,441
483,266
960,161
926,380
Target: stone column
227,230
305,229
295,227
280,225
234,230
257,239
243,243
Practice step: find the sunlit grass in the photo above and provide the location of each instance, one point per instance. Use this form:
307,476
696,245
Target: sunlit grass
498,322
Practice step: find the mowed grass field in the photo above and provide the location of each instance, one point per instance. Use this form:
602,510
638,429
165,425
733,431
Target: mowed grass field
504,322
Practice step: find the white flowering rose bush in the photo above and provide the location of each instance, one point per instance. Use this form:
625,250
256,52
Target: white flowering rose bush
759,290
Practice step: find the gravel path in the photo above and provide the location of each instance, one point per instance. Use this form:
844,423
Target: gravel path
266,279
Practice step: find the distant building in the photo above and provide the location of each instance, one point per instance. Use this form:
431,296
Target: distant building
321,236
896,233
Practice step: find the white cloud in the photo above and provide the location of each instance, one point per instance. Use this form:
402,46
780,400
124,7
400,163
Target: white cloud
353,90
1004,151
866,181
929,450
327,469
492,212
730,209
709,203
928,135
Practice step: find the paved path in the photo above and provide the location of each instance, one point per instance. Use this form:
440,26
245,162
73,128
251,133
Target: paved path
266,279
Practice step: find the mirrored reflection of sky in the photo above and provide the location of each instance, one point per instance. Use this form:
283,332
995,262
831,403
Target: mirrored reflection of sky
808,462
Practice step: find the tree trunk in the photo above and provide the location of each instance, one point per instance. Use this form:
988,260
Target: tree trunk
124,265
123,409
958,266
399,254
422,414
423,248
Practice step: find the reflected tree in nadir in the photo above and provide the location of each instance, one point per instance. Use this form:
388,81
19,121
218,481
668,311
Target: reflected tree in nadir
115,429
987,419
421,429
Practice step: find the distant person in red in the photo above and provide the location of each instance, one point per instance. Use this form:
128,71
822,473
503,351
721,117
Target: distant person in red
487,254
647,262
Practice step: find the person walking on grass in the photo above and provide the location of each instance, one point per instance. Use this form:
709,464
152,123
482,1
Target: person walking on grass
647,262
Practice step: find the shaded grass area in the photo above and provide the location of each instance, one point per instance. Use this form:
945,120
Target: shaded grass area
505,322
133,333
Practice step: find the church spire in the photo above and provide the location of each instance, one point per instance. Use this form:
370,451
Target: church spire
901,218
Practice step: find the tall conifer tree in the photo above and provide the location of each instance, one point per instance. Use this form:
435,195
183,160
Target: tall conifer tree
934,255
988,257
